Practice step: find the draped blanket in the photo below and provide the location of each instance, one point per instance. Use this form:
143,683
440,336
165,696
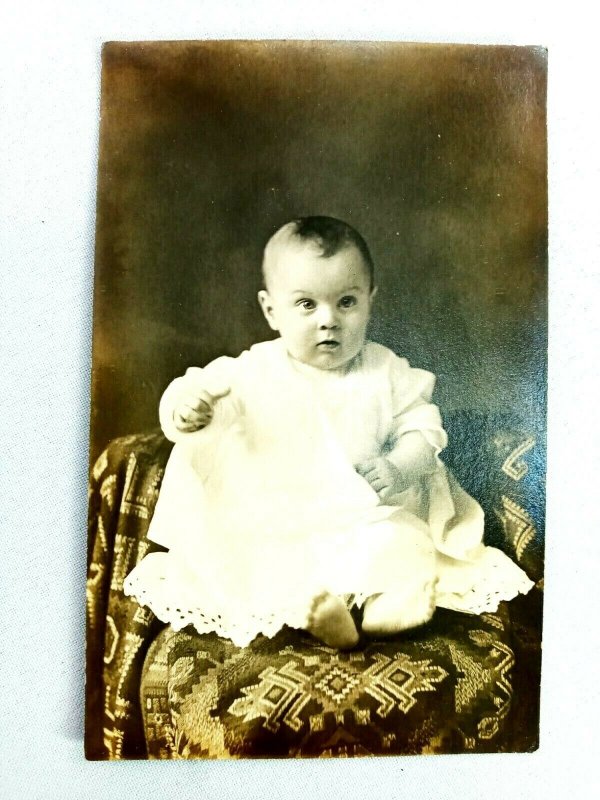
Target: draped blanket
447,687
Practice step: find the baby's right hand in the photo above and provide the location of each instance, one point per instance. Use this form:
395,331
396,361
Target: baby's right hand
195,410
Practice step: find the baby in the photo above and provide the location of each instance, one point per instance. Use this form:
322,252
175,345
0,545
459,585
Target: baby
306,472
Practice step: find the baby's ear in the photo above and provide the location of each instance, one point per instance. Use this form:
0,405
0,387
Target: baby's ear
266,304
373,293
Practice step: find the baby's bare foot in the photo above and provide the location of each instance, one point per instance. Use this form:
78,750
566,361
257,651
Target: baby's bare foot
392,612
330,621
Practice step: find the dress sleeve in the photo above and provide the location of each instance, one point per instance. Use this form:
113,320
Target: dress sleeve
216,378
412,408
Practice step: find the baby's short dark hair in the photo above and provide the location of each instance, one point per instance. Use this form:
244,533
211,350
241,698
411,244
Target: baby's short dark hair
329,234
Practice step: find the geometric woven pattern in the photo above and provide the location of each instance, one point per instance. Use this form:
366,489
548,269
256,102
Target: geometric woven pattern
336,685
518,525
447,687
514,466
123,491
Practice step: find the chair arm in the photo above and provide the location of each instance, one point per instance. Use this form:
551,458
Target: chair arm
124,487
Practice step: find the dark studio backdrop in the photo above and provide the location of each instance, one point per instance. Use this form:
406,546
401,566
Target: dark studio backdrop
437,154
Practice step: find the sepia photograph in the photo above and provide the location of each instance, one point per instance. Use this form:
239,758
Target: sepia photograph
318,422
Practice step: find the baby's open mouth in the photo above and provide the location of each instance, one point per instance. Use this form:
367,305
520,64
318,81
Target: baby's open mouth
329,344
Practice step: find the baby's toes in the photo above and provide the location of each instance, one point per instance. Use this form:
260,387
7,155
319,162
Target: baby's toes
430,592
330,621
315,605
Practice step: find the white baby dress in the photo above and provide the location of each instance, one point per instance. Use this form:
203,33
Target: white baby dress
263,509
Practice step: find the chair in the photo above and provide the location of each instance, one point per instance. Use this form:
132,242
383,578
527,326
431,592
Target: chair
461,683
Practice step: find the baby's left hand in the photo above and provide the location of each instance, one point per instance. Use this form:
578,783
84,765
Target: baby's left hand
383,476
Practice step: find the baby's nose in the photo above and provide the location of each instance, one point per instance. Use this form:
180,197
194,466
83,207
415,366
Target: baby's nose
327,318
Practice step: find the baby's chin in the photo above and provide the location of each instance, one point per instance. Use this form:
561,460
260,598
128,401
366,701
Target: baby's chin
327,359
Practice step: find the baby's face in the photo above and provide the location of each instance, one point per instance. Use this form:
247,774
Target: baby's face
320,306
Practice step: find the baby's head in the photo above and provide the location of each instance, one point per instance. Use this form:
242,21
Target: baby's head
319,288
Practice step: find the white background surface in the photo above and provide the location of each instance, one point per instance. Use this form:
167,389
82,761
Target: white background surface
50,82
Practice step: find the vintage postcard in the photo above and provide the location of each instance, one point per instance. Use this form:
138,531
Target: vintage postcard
316,521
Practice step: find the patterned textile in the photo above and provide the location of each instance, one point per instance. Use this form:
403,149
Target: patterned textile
445,688
123,491
502,464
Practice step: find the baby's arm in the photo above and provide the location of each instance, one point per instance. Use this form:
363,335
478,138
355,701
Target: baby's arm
187,404
416,434
411,459
413,456
194,410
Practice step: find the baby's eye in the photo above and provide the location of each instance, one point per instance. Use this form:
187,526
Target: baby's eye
306,304
348,302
